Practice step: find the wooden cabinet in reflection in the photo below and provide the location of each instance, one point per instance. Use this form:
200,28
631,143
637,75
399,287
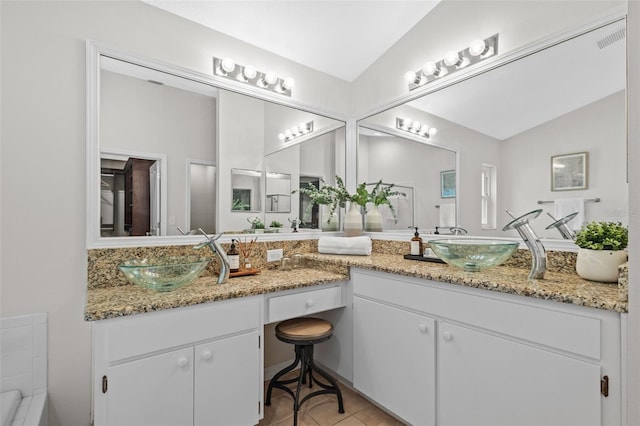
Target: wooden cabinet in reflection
137,197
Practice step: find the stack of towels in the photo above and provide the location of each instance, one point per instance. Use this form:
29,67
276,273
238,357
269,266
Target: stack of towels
345,245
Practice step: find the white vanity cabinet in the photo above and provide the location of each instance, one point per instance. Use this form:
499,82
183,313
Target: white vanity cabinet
394,359
197,365
491,358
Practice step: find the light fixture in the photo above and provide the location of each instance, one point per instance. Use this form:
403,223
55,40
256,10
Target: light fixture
296,131
415,127
269,80
453,61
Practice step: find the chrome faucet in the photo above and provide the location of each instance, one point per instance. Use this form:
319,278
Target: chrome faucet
216,248
561,225
456,230
538,253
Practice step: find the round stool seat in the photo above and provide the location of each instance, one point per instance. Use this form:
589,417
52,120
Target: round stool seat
309,330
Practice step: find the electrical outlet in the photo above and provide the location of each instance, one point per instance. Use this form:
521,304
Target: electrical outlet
274,255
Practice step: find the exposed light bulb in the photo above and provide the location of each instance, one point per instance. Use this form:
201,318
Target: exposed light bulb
451,58
477,47
433,131
416,126
250,72
281,136
228,65
430,68
270,77
410,77
288,83
288,133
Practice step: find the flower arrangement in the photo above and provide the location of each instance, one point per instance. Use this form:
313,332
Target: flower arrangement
603,236
275,224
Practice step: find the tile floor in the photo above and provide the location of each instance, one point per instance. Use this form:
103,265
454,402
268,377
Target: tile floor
322,410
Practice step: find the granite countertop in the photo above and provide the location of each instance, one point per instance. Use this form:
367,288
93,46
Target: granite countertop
124,300
559,287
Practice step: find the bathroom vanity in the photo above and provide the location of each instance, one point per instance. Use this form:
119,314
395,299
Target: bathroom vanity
428,342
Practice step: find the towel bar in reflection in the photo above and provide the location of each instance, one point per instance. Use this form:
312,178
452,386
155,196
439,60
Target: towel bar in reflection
592,200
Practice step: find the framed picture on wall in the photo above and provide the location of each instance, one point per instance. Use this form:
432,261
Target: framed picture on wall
448,184
569,171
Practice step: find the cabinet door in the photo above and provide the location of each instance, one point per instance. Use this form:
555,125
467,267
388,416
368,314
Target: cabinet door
490,380
394,359
153,391
227,381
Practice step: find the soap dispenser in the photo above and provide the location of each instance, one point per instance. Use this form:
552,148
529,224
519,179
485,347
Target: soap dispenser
416,243
234,257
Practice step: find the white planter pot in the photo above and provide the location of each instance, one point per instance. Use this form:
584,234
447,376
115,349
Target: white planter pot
352,226
600,265
373,220
329,222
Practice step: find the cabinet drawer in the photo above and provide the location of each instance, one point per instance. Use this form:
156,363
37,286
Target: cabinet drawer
533,320
303,303
145,333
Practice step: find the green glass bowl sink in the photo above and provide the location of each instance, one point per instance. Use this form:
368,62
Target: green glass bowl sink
473,254
164,273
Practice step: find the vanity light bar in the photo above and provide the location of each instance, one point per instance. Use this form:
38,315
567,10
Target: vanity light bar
226,67
453,61
415,127
296,132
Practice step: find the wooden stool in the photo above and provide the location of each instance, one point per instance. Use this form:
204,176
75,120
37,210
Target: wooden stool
304,333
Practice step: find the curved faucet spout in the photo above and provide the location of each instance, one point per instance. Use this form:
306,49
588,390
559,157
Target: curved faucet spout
216,248
538,252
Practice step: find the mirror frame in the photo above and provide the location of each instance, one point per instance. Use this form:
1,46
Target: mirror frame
618,14
94,51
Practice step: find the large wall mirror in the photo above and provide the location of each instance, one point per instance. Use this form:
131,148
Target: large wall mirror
507,124
170,151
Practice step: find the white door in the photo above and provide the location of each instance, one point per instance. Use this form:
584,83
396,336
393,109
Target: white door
394,359
154,194
489,380
153,391
227,381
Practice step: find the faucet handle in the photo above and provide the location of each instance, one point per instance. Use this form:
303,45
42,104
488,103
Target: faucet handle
212,238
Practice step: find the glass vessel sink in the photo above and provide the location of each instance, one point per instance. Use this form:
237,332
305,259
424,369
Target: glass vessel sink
473,254
164,273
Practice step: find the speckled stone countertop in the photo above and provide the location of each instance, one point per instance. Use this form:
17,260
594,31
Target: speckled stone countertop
109,295
124,300
556,286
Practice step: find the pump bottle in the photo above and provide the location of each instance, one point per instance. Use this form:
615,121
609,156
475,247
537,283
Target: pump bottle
416,243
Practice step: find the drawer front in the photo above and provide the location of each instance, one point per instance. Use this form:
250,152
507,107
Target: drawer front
547,325
145,333
304,303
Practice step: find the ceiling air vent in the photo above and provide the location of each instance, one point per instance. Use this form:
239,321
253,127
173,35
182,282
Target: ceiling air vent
612,38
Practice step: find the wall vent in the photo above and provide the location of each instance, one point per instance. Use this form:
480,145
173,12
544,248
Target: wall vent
612,38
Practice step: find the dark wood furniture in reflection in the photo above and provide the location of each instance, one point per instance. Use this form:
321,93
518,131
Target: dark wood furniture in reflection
137,197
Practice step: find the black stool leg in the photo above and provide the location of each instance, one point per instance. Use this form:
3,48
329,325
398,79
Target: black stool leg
328,389
304,365
274,381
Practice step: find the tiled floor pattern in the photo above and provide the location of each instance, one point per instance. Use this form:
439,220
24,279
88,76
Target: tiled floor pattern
322,410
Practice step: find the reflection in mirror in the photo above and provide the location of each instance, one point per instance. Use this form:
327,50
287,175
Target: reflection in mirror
319,156
278,192
507,124
130,194
414,168
245,190
202,199
143,110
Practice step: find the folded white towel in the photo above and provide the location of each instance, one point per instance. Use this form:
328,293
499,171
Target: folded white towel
565,206
345,245
447,215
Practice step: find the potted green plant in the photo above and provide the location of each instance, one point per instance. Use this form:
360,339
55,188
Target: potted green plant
257,226
602,250
275,226
380,194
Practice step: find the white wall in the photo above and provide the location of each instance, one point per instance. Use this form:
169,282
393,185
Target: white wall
43,122
599,129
